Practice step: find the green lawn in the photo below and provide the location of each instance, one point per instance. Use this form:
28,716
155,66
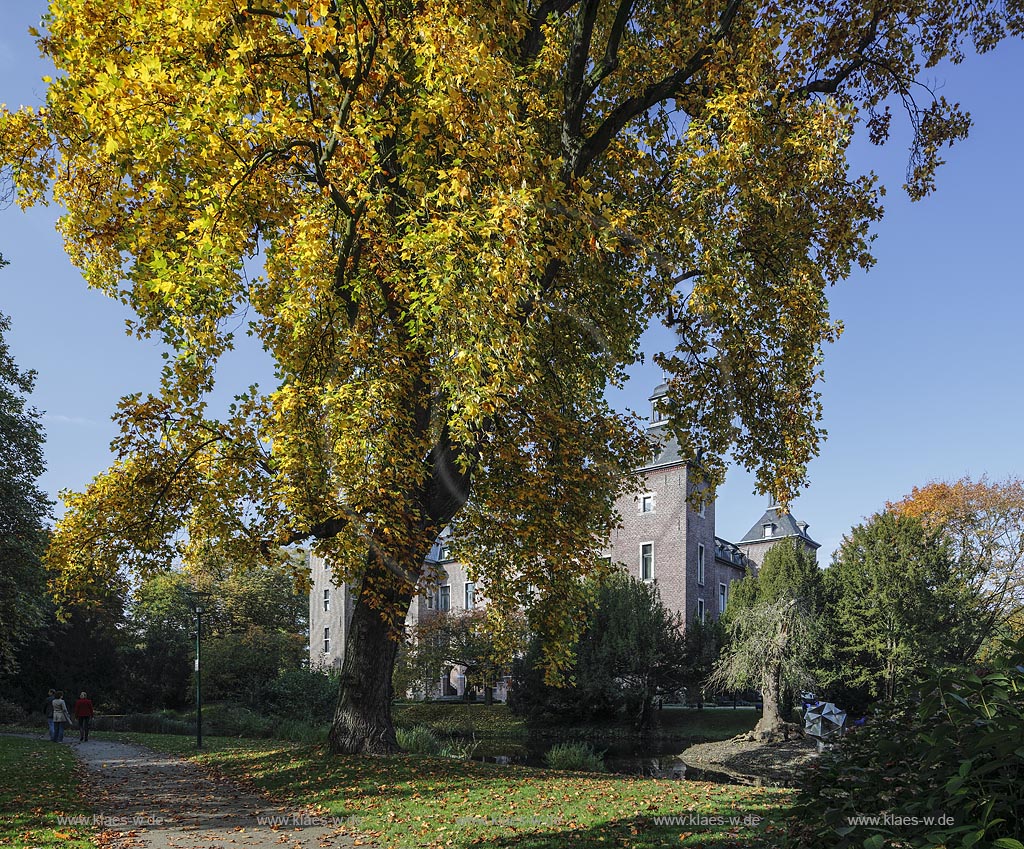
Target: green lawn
409,801
39,782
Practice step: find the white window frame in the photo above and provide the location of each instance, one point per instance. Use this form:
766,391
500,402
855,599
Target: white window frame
700,610
327,639
441,596
702,512
700,563
470,597
649,577
647,499
768,530
327,599
723,597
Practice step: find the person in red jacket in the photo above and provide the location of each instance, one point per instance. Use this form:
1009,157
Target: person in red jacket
83,712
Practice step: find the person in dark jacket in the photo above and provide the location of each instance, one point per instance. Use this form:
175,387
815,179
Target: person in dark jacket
83,713
48,710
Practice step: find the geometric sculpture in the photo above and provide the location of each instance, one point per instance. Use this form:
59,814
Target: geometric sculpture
824,720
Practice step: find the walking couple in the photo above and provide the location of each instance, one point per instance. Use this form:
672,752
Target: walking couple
58,715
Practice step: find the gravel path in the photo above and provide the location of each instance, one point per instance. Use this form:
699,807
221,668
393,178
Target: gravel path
148,799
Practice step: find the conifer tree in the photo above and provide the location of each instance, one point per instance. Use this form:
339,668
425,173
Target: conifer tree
898,606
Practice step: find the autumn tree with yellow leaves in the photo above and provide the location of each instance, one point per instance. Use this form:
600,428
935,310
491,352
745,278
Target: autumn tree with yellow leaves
448,224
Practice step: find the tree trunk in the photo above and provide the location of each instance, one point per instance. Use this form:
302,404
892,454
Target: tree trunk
643,724
488,694
362,722
771,720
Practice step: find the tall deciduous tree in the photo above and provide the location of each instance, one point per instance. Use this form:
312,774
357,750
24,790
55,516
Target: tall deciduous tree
467,212
24,508
254,627
774,628
984,522
898,606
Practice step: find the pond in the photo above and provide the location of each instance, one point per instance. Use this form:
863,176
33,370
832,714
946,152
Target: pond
647,758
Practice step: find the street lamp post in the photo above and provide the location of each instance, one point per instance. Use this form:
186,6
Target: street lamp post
196,598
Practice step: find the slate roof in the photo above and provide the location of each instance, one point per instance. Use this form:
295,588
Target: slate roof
727,552
785,526
668,454
668,446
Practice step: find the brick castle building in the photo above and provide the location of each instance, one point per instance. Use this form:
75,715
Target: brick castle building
661,538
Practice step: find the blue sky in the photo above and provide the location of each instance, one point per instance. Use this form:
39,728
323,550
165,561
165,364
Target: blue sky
922,385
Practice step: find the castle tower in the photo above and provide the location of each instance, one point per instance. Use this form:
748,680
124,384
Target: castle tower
772,527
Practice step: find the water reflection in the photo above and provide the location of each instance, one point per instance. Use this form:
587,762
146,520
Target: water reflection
653,758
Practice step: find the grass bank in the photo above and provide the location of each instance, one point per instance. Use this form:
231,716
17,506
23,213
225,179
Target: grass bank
461,718
218,719
406,801
39,782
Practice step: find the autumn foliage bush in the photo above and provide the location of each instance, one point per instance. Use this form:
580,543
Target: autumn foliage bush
946,765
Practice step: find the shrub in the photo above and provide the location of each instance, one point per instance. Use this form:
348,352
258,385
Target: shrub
300,732
144,723
579,757
952,751
304,694
460,750
12,714
220,720
418,740
241,667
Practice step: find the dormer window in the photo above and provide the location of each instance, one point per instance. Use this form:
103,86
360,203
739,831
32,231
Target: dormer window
769,529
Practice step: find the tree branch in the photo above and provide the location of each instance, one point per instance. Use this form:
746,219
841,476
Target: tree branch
531,43
656,92
573,86
830,85
610,62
